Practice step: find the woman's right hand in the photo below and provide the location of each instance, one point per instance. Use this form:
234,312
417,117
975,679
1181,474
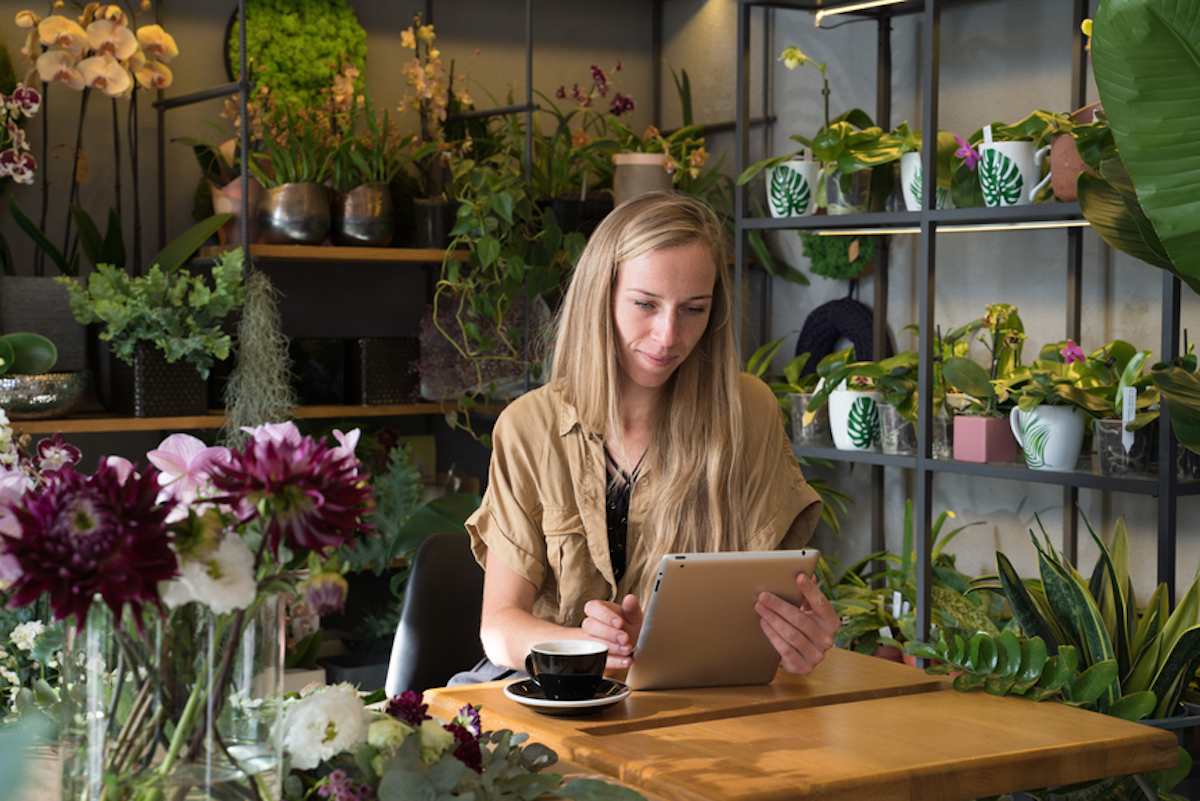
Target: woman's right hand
615,625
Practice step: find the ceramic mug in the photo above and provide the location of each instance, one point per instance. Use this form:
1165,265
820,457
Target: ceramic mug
1049,436
854,420
792,188
911,178
1009,173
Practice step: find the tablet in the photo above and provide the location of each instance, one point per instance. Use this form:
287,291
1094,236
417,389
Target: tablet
700,627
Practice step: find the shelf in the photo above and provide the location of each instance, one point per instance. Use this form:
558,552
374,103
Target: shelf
340,254
1014,218
857,457
100,425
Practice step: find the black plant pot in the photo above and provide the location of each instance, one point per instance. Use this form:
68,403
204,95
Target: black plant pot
319,371
384,370
433,220
154,387
580,216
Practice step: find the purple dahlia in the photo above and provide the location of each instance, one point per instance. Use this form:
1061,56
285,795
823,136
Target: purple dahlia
83,536
311,496
409,707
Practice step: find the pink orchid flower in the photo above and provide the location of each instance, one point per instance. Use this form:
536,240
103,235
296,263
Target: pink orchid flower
13,484
1072,353
346,442
969,155
275,432
123,466
185,461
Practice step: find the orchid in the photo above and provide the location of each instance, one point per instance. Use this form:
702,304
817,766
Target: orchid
60,32
969,155
157,43
325,593
60,66
184,462
107,37
105,74
1072,353
55,453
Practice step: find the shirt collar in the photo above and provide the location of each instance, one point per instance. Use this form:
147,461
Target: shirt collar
568,415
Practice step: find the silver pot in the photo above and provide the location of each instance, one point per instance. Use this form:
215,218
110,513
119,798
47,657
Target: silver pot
294,214
364,216
30,397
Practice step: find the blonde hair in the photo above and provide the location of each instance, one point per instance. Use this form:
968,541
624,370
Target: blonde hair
694,464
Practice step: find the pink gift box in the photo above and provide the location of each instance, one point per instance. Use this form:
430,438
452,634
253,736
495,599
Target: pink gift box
983,439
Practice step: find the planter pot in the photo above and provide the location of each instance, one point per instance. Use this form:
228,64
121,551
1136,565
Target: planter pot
364,216
792,188
983,439
228,200
638,173
41,306
848,194
32,397
384,370
898,436
294,214
1049,436
1112,457
889,652
318,370
154,387
1065,163
580,216
854,420
816,433
912,185
433,220
1009,173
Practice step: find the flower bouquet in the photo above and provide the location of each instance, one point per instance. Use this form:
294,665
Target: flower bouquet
174,574
341,751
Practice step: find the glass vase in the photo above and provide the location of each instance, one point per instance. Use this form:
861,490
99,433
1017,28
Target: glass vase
179,707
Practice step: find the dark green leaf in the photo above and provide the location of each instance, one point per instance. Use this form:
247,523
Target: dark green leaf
180,249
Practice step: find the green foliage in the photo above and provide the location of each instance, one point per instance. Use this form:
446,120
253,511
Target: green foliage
371,155
1039,127
1179,385
296,47
175,311
300,153
26,354
830,256
260,388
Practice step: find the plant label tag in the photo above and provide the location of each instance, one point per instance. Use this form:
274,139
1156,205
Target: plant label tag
1128,413
897,603
987,134
886,631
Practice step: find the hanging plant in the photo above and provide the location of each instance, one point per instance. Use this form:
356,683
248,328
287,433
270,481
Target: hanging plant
838,257
297,47
260,389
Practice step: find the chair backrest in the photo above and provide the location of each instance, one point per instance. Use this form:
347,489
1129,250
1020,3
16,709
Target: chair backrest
438,634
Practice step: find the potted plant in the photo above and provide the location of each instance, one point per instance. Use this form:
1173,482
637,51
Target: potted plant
849,389
896,381
164,327
1005,170
1051,409
1179,386
911,174
1082,640
981,430
292,164
1123,433
794,392
363,168
654,161
28,387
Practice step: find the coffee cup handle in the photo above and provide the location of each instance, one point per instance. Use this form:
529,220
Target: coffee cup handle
1015,426
1040,154
529,666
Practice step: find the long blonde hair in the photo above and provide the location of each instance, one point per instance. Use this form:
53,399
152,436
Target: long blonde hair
696,473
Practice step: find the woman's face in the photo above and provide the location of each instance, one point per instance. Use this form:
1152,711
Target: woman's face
661,306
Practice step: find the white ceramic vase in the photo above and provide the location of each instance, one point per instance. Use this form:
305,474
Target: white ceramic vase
854,420
1049,436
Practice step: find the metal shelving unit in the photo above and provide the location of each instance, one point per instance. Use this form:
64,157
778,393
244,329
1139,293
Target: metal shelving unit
927,224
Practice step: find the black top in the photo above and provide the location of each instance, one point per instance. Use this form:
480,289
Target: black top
620,487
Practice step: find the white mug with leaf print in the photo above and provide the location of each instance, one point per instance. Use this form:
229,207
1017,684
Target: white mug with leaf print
854,419
1049,436
911,178
792,188
1009,172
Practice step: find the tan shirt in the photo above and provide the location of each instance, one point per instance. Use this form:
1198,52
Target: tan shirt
543,511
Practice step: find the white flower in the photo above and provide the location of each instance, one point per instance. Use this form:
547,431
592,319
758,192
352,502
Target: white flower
435,741
323,725
222,580
9,676
26,634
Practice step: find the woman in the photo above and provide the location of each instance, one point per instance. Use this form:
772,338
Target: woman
647,440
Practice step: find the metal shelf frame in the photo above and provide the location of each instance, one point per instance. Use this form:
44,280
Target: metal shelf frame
927,223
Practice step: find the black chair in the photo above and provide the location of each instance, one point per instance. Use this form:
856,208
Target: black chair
438,634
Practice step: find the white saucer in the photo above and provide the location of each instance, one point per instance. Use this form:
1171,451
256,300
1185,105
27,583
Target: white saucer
527,692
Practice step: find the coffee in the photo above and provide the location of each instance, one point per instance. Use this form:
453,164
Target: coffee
567,670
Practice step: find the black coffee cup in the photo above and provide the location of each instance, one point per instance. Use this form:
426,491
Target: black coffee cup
567,670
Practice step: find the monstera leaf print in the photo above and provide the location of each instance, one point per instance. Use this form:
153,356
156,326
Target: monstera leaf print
863,423
915,187
789,192
999,179
1034,435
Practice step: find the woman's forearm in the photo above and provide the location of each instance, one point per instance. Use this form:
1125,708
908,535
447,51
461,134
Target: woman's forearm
508,634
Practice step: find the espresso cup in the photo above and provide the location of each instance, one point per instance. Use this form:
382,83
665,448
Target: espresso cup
567,670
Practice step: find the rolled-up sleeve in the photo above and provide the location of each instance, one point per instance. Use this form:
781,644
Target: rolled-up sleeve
780,497
508,520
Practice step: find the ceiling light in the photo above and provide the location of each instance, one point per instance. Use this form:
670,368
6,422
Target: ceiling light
961,229
829,12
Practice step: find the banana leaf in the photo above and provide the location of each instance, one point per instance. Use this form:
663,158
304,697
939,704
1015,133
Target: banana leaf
1147,68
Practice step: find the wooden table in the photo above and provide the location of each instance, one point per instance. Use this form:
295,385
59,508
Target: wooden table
858,729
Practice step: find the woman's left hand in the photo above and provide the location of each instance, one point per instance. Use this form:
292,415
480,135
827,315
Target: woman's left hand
801,634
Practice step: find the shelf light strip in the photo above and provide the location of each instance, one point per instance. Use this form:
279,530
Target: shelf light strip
829,12
1037,225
